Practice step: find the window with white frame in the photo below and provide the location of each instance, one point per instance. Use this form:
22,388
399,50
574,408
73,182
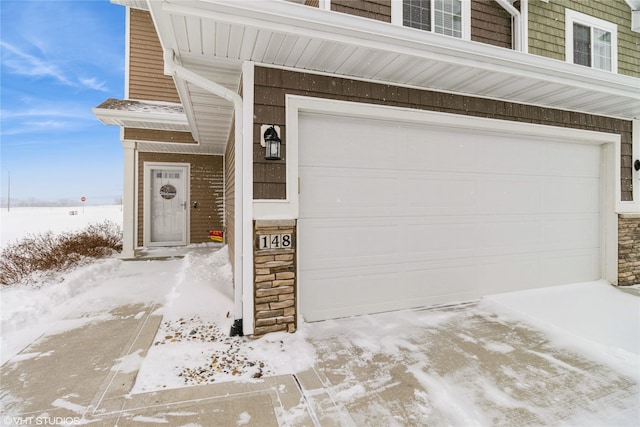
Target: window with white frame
449,17
591,41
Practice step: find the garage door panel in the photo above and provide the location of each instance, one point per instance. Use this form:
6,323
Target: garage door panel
424,238
572,195
330,153
361,243
570,266
576,160
439,152
439,215
338,294
356,192
334,296
513,272
509,155
436,194
571,232
508,194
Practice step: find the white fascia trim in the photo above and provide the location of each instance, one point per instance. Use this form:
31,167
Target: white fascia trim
293,19
118,117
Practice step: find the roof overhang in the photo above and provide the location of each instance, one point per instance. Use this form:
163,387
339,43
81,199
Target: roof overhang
143,115
218,36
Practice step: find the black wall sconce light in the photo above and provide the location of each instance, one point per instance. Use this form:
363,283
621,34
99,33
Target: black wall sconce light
636,165
271,142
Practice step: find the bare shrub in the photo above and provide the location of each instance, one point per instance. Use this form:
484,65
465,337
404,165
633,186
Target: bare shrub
47,252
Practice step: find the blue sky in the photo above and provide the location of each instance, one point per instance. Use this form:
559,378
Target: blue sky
59,59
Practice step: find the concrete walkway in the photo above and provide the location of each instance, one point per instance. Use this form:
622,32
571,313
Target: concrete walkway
468,368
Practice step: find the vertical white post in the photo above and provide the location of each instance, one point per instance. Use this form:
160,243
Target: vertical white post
129,200
635,155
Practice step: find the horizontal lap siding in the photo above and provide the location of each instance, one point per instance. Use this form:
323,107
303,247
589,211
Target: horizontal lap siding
490,23
206,187
271,86
547,29
146,64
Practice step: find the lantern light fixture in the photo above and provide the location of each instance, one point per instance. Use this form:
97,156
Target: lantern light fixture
271,142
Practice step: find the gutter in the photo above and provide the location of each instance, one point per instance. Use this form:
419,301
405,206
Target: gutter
173,68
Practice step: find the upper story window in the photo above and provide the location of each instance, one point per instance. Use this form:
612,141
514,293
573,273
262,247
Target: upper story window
449,17
591,42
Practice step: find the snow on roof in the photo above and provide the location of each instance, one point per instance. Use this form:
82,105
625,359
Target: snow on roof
133,105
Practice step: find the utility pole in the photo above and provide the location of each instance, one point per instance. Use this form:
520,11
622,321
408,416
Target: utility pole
9,192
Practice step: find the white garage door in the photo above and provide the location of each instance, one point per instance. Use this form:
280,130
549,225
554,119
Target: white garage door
396,215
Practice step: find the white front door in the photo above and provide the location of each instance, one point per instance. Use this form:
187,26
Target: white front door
166,202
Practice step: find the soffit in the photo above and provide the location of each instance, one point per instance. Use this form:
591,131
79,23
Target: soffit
215,37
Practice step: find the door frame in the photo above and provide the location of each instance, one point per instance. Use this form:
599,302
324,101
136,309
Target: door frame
146,179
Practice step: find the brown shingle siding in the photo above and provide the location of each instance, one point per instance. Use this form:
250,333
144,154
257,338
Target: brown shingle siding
490,23
379,10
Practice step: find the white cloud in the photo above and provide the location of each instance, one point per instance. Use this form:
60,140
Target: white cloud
93,83
20,62
25,64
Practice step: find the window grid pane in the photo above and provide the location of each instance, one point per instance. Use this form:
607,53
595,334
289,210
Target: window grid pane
417,14
448,17
581,45
601,49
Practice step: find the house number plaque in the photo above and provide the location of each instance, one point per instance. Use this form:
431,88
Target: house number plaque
274,241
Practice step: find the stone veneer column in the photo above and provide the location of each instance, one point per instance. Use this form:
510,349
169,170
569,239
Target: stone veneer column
275,279
629,250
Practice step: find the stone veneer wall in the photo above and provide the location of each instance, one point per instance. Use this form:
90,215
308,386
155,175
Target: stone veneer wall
275,280
628,251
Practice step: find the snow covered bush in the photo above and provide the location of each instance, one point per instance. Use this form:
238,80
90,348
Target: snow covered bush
48,252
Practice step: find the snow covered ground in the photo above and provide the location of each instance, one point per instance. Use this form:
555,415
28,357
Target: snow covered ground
195,297
18,222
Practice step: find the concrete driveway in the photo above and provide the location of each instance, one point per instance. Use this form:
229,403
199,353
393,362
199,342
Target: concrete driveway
462,366
459,365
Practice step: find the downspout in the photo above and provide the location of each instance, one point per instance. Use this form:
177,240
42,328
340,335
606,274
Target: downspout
516,17
173,68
